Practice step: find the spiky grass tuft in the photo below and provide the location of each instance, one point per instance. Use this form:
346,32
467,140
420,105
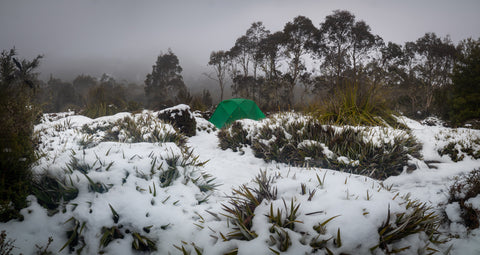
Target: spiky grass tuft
419,218
356,105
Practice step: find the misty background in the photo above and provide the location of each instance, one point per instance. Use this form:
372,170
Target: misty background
123,38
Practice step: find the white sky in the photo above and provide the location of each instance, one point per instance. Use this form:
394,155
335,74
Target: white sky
124,37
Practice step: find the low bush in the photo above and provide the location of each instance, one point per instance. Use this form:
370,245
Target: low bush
143,128
180,117
458,150
234,137
465,188
360,150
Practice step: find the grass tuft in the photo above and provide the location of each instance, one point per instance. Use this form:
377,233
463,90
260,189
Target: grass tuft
52,192
418,218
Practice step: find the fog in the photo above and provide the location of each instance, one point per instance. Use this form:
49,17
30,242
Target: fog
124,37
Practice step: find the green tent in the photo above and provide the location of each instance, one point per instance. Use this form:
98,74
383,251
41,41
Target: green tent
231,110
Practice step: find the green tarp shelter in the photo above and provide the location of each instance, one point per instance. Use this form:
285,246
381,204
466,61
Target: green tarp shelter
234,109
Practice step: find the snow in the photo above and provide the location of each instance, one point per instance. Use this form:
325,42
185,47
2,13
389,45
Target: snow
356,205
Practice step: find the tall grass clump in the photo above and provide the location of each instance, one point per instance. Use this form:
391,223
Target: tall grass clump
356,105
17,145
100,109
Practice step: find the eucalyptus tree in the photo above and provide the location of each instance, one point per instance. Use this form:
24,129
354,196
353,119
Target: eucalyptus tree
435,60
163,85
255,34
219,62
345,43
298,35
245,54
465,93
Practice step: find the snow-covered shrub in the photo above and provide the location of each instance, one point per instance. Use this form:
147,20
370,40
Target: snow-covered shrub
143,128
202,121
276,215
234,137
180,117
458,150
465,196
373,151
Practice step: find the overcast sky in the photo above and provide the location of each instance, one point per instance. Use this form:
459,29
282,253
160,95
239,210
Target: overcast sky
124,37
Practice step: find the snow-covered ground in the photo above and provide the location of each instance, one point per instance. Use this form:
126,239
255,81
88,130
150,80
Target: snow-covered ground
122,187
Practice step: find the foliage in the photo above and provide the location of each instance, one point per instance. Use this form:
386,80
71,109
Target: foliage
52,192
308,143
181,118
98,110
74,235
17,144
143,128
241,206
234,137
43,250
6,245
461,191
219,61
356,104
465,91
418,218
458,150
163,85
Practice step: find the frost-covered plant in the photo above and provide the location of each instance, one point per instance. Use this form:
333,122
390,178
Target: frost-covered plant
75,237
110,234
52,192
465,188
242,204
419,218
78,164
97,187
6,245
186,250
305,142
458,150
234,137
143,128
143,243
190,164
43,250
